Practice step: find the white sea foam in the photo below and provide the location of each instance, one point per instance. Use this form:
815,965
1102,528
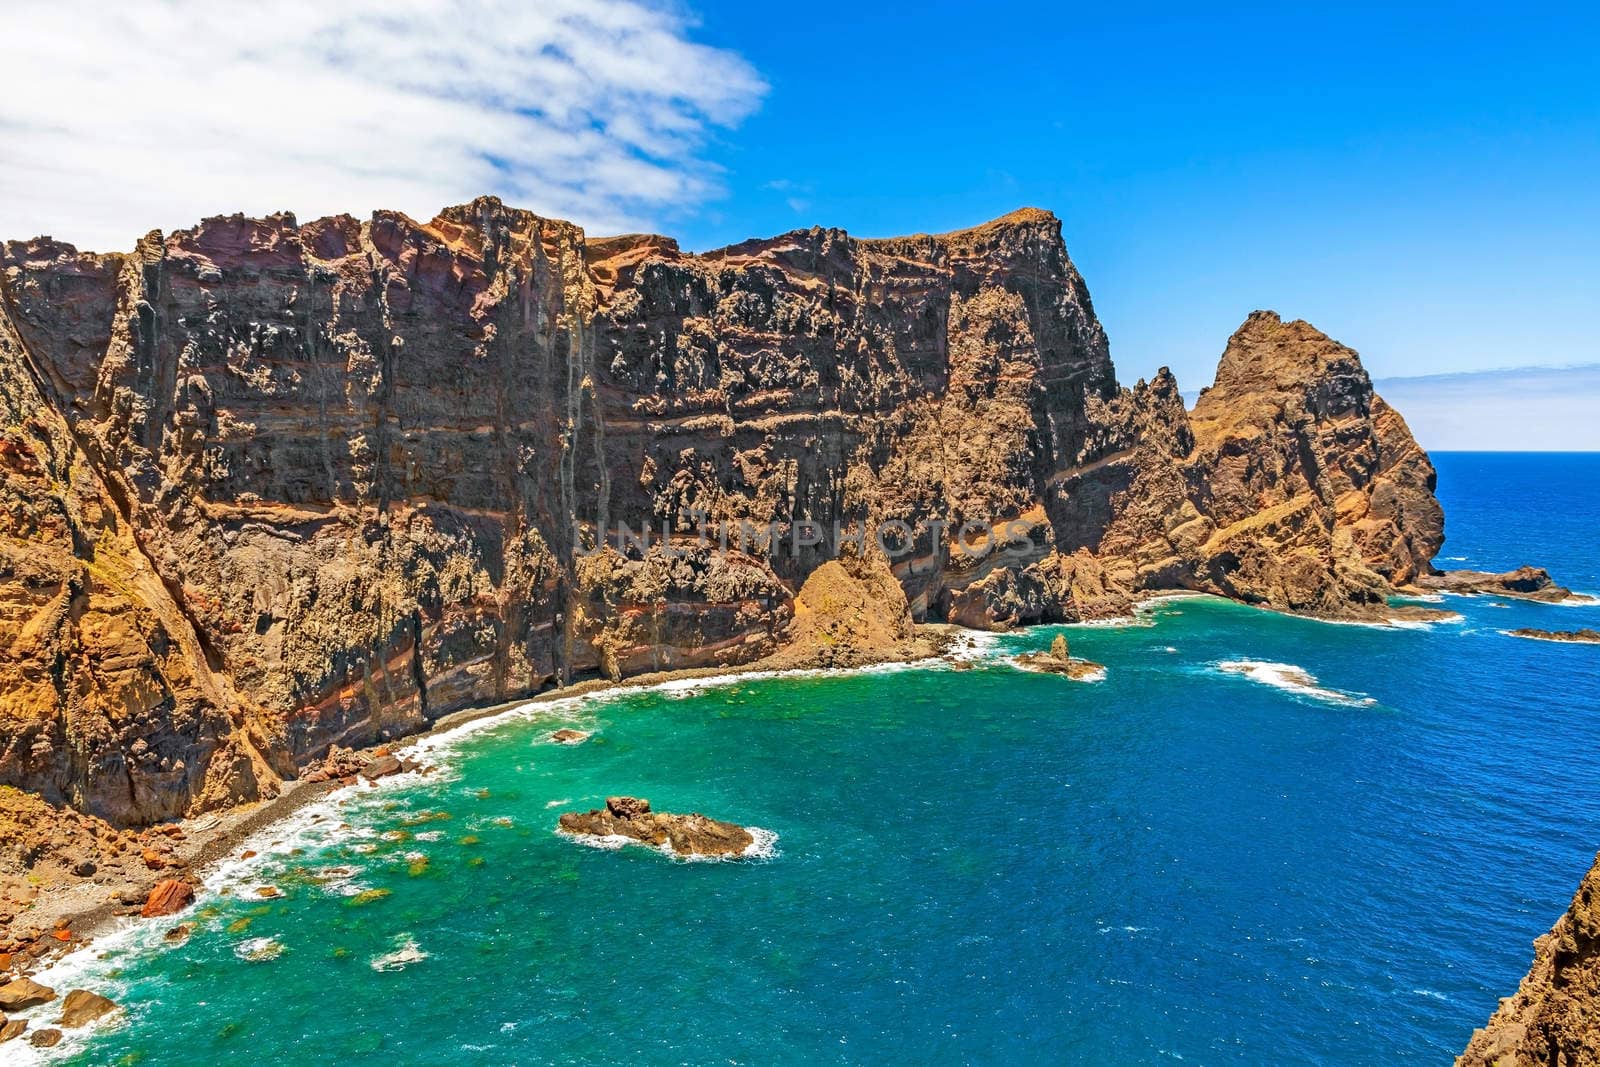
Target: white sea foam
763,846
1293,679
258,949
406,952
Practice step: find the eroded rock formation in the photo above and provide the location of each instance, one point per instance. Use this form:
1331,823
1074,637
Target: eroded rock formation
270,488
683,835
1554,1018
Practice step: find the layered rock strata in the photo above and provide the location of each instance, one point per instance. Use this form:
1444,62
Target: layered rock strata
1554,1018
269,488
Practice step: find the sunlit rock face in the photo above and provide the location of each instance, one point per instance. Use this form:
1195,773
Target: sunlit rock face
268,487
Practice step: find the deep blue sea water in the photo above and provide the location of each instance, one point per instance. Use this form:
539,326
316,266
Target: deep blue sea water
1179,863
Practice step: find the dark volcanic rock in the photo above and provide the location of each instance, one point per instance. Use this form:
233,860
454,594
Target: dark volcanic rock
685,835
1583,636
1524,583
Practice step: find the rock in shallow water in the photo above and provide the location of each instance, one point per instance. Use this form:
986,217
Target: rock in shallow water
684,835
1584,636
567,736
82,1007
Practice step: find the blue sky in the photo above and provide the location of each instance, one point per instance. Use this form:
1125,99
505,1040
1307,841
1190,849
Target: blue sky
1421,183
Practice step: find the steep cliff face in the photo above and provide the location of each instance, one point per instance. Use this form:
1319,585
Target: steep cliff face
270,487
1554,1019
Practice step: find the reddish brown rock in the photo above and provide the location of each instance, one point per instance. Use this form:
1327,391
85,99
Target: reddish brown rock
1524,583
48,1038
11,1029
168,897
1554,1018
381,767
684,835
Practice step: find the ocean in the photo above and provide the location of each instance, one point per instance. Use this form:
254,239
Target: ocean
1207,857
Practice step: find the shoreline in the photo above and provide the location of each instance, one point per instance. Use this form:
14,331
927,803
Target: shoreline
95,910
213,838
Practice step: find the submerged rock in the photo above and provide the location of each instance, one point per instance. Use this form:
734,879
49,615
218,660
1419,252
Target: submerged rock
685,835
567,736
24,993
82,1007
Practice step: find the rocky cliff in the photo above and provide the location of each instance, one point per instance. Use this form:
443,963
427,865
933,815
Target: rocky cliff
271,487
1554,1018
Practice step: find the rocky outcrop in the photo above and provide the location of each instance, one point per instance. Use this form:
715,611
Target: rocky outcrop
81,1007
1554,1018
1524,583
23,993
1585,636
272,490
1059,661
683,835
168,897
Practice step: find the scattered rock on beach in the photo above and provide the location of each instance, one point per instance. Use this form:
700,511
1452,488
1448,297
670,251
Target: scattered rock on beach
81,1007
685,835
24,993
44,1038
381,767
172,895
568,736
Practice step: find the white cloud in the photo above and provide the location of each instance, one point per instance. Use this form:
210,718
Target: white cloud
1527,409
128,117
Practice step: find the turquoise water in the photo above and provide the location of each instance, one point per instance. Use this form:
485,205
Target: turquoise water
1180,862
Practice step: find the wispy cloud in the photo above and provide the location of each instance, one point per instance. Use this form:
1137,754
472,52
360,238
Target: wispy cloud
139,116
1524,409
